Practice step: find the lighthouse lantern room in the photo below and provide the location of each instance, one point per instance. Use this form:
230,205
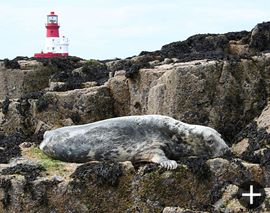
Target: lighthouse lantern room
55,46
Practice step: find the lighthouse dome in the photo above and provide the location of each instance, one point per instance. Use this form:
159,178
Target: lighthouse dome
52,18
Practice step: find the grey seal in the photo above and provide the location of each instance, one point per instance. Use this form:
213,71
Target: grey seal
145,138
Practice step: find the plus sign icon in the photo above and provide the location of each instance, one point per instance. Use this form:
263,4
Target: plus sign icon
251,194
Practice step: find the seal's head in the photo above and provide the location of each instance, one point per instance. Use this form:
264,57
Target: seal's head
47,138
206,140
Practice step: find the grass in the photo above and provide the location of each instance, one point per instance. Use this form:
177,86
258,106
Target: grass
53,167
92,62
48,163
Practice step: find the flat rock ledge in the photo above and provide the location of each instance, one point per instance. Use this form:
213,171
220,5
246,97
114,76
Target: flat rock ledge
36,183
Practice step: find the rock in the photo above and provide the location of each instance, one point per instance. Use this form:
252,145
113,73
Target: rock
116,65
12,121
66,64
229,193
218,80
218,166
141,59
265,162
211,46
30,172
11,64
54,86
78,105
10,146
179,210
29,64
234,206
237,48
255,170
51,109
15,83
41,127
67,122
252,140
263,121
5,105
168,61
131,66
100,182
89,84
5,184
155,63
100,173
241,147
105,182
70,78
260,37
166,90
93,71
120,73
267,202
119,88
235,172
25,145
134,69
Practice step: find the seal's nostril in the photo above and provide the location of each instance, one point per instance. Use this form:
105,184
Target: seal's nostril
226,152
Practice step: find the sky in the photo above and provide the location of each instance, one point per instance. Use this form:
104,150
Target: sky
107,29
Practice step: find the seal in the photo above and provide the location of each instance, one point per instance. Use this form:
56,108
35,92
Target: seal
146,138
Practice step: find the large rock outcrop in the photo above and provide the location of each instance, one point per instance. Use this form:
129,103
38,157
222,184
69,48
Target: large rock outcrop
216,80
44,185
226,95
32,77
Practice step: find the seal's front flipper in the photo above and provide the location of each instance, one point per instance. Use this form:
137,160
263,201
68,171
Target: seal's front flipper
168,164
158,156
164,162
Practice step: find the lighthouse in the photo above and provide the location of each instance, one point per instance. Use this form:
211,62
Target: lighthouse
55,46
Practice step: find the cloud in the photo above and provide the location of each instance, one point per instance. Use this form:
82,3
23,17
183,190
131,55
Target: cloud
109,28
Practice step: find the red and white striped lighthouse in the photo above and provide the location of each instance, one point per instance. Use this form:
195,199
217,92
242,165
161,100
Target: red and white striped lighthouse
55,46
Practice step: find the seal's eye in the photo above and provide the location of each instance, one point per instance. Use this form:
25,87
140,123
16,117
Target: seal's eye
211,142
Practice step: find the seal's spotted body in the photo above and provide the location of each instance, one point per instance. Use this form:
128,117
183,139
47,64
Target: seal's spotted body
149,138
